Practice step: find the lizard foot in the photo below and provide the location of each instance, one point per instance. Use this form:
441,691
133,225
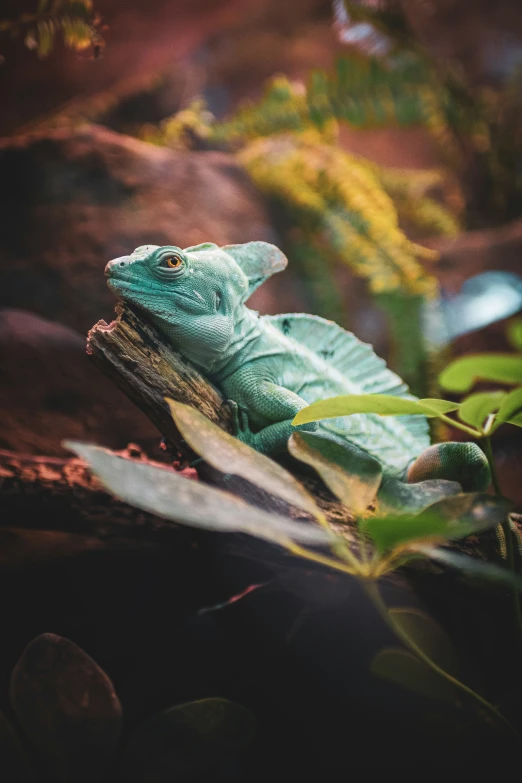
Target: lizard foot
240,426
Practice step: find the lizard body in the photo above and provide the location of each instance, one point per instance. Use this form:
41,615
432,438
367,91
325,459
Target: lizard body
273,366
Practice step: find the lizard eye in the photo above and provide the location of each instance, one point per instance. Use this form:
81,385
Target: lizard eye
171,261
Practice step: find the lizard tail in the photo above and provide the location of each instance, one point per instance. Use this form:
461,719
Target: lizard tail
462,462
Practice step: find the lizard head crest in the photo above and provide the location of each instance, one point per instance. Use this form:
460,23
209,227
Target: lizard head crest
195,295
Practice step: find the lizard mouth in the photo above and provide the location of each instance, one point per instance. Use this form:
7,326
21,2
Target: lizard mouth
125,286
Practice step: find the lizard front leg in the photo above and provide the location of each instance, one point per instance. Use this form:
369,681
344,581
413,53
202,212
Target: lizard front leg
268,401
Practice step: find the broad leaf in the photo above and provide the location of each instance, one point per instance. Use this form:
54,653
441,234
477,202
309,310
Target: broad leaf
402,668
163,492
514,333
190,741
472,566
450,518
67,707
476,408
510,410
382,404
462,374
428,636
353,476
399,497
230,455
516,420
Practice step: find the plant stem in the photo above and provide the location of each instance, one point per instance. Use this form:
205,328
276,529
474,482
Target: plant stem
460,426
508,537
373,593
488,451
315,557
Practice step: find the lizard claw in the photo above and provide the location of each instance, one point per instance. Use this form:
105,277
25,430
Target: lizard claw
234,410
240,425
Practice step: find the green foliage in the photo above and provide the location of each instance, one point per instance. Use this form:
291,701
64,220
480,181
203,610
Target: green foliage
75,20
451,518
382,404
475,126
219,448
169,495
350,475
393,540
337,208
514,333
67,709
173,497
462,374
181,130
334,197
364,92
484,411
403,668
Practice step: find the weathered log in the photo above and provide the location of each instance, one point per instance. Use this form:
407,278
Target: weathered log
51,507
134,355
147,369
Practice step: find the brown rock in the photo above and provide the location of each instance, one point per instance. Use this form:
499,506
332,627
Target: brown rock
49,391
72,200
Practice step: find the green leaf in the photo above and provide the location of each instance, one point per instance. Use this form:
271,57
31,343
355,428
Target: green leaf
450,518
516,420
188,742
228,454
514,333
462,374
476,408
428,635
382,404
436,407
163,492
510,409
398,497
45,38
67,707
471,566
349,473
403,668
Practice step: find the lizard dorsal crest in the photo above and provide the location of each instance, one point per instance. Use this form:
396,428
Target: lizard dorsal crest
358,362
258,261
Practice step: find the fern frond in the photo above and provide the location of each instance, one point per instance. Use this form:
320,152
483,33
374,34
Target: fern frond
341,199
75,19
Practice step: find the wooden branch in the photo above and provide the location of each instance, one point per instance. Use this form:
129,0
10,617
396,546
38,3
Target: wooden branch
147,369
135,356
51,494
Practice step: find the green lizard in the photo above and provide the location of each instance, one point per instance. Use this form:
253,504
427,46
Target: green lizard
270,367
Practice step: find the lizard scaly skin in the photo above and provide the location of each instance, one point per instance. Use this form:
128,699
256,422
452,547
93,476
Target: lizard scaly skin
273,366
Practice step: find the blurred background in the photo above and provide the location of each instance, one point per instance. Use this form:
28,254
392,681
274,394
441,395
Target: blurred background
379,143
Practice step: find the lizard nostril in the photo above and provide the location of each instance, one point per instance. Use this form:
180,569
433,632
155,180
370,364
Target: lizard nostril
121,262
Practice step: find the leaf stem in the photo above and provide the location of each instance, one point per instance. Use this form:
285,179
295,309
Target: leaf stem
460,426
488,451
508,537
353,570
374,595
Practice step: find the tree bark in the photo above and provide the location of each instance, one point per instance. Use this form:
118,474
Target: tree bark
147,369
52,507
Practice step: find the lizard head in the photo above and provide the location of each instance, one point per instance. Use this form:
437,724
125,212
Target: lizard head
196,295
